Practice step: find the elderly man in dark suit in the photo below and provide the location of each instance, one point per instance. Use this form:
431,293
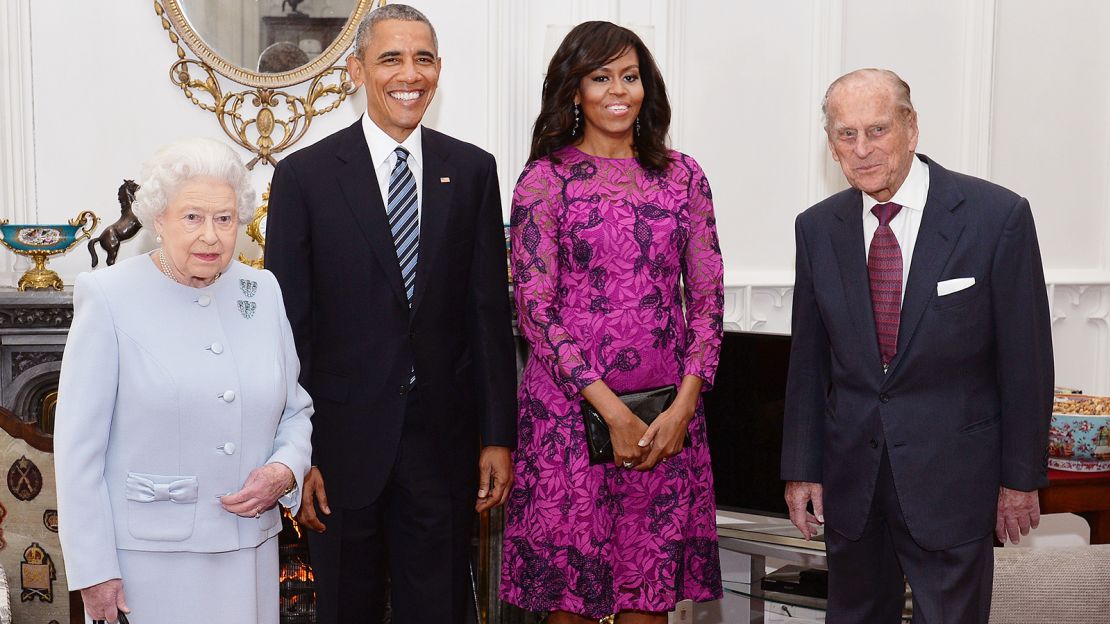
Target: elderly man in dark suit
921,376
387,240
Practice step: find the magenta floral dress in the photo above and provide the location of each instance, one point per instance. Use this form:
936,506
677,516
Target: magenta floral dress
604,253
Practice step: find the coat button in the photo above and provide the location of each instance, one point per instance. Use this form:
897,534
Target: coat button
227,447
873,443
216,348
204,300
228,396
884,398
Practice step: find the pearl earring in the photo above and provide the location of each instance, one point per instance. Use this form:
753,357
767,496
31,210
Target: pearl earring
158,239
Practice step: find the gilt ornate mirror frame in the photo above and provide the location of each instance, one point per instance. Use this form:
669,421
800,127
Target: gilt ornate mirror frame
262,118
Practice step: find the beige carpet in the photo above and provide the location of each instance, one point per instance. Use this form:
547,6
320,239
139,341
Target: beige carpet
1051,585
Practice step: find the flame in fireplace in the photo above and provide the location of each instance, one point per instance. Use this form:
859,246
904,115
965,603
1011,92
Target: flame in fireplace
296,570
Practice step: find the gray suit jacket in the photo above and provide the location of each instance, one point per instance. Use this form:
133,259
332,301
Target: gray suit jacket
169,397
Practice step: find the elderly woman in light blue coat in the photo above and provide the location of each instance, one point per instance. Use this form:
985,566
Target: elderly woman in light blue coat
180,423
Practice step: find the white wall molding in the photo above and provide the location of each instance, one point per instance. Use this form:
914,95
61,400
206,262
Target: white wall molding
17,136
1081,335
1080,314
978,88
508,126
674,48
823,177
759,308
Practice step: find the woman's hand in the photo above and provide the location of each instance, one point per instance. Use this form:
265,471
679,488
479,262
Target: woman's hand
666,434
625,430
264,486
104,601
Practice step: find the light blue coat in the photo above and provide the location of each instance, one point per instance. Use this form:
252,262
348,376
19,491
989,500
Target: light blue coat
169,397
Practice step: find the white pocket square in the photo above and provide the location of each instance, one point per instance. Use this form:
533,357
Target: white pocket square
947,287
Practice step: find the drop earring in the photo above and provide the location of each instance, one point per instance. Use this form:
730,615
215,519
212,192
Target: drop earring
637,126
158,239
577,117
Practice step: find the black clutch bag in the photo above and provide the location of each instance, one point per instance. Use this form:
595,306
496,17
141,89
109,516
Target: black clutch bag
645,404
122,619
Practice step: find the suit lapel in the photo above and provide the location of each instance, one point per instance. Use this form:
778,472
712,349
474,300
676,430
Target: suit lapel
364,198
847,240
941,226
436,192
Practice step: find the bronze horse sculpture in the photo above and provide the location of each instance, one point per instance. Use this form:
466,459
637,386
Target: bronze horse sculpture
126,227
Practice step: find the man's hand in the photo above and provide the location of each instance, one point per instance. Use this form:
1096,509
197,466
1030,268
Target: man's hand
798,493
264,486
312,492
1017,512
104,601
495,477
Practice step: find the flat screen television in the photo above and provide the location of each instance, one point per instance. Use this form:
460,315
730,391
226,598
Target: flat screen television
744,412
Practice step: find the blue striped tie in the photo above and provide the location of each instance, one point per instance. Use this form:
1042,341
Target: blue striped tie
404,223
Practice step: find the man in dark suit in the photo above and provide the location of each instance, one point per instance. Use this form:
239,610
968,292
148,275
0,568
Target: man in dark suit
387,240
921,372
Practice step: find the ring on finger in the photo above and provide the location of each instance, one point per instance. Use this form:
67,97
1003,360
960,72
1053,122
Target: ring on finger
628,464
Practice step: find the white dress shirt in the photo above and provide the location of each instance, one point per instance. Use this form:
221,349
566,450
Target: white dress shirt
911,196
382,154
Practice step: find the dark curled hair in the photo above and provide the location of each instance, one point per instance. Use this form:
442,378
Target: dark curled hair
588,46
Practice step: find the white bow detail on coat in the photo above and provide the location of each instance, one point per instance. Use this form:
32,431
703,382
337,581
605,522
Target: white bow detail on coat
143,489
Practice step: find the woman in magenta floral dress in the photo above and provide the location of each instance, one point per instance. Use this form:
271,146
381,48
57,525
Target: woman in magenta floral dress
618,289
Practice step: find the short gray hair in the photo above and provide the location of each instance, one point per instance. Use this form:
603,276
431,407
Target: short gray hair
399,12
180,161
901,90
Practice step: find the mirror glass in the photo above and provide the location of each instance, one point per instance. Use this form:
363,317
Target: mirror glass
268,36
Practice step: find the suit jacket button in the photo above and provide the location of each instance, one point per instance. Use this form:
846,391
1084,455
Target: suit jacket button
204,300
884,398
216,348
403,390
228,448
227,396
873,443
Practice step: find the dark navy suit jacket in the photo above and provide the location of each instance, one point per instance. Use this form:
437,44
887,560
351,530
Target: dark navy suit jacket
964,407
329,244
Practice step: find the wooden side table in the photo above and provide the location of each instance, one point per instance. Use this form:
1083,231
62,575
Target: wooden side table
1086,494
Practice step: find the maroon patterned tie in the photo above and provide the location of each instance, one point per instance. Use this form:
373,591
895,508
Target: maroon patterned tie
884,268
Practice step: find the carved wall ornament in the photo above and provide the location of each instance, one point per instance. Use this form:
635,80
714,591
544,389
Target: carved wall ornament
23,360
37,317
256,230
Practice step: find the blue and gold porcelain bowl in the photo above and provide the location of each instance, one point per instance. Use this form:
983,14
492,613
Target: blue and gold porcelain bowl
38,241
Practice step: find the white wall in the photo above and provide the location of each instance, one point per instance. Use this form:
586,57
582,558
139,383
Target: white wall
1015,91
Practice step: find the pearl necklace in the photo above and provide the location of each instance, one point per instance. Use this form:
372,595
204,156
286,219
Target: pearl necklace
164,263
166,266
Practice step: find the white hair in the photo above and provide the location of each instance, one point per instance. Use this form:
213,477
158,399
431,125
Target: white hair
899,88
180,161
